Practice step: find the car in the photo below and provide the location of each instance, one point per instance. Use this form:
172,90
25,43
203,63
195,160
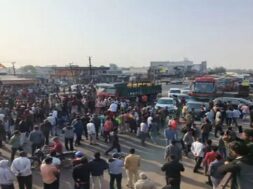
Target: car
185,91
166,102
196,105
174,91
233,100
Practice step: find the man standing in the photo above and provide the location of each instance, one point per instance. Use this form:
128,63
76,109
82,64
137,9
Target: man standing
15,144
173,149
132,165
216,177
97,167
197,149
36,138
81,174
49,174
115,170
173,171
170,134
21,167
218,122
143,132
115,143
78,128
205,130
91,129
69,137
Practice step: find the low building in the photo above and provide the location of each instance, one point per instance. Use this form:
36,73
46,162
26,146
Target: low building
161,69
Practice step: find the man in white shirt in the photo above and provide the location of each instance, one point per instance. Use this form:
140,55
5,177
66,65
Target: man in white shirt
197,149
91,130
21,167
113,107
143,132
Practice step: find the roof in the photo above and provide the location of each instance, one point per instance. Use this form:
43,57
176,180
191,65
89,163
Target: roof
14,80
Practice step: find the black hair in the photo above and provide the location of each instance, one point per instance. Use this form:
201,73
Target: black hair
132,151
97,155
239,148
48,160
84,160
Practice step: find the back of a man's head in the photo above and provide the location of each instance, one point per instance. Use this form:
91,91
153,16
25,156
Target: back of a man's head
97,155
132,151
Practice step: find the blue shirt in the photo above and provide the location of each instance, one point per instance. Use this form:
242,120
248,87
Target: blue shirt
116,166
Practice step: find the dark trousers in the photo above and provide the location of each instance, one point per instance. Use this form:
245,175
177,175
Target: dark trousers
46,134
11,186
34,147
25,182
78,139
117,146
216,129
175,183
13,153
143,137
69,144
235,121
198,161
118,179
82,186
53,185
205,137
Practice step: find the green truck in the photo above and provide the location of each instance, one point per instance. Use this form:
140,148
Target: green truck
128,90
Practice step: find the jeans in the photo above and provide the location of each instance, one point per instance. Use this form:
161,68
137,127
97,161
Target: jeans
53,185
113,146
69,144
143,137
118,179
25,182
205,137
78,139
198,163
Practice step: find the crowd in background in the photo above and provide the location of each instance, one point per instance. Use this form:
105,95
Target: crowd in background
32,119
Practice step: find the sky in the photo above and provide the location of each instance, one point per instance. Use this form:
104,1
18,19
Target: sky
126,32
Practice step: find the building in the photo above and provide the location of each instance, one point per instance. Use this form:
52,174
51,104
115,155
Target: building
161,69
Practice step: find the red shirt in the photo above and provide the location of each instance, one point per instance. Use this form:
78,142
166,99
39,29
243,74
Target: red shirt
57,147
210,157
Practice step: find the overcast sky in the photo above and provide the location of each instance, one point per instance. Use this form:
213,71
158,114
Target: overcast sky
126,32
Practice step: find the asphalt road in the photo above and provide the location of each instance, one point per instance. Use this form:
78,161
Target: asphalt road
151,162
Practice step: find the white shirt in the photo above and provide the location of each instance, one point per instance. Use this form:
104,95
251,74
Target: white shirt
143,127
197,149
91,128
113,107
236,113
149,120
21,166
52,120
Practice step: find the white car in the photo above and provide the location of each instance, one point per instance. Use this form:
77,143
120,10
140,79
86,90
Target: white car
166,102
174,91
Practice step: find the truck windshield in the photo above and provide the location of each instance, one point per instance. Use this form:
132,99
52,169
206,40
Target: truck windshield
165,101
202,87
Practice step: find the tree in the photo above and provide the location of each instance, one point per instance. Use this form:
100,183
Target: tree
217,70
29,70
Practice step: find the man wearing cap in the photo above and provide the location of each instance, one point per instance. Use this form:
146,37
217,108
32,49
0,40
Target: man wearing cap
132,165
115,170
144,182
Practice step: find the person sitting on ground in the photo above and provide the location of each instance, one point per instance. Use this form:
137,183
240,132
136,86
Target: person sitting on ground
144,182
57,146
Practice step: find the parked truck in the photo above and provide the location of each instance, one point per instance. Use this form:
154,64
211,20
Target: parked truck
129,90
212,86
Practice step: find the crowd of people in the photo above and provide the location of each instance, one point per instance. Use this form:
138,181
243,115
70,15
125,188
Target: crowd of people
31,120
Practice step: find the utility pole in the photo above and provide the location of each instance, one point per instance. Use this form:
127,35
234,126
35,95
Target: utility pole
72,73
13,68
90,67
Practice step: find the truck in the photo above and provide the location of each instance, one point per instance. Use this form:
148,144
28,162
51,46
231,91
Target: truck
209,87
129,90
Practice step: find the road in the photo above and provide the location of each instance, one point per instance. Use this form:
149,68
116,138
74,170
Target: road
152,159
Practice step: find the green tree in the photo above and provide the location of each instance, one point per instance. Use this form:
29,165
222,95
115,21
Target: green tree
29,70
